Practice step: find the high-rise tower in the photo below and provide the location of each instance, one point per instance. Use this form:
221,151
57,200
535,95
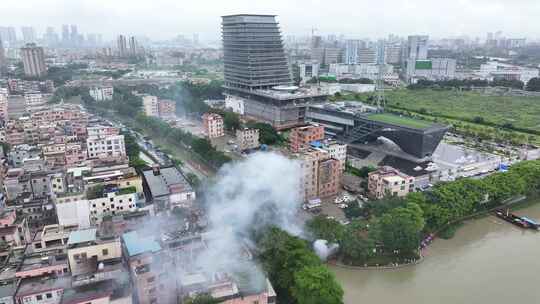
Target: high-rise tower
253,51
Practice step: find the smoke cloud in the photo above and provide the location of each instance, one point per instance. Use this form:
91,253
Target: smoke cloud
323,249
262,190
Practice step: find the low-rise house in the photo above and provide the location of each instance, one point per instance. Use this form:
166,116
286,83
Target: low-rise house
86,251
42,290
389,181
52,263
52,237
168,188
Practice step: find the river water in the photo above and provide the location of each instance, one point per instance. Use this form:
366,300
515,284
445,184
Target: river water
487,261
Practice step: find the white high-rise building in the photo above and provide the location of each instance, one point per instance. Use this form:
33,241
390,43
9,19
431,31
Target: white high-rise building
150,105
417,48
351,51
33,60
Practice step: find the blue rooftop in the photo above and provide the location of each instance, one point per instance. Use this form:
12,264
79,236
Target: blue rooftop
82,236
137,244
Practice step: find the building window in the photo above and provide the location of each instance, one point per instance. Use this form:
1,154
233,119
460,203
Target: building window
39,297
105,251
48,295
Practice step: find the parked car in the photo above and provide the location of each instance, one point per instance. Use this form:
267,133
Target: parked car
343,206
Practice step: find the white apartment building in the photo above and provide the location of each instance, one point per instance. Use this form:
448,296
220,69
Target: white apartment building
247,139
35,101
3,105
431,69
497,70
106,146
112,203
102,93
151,105
101,131
235,104
73,209
337,151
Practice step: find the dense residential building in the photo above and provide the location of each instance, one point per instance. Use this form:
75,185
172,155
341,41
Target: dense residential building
33,58
389,181
150,105
149,268
247,138
167,108
337,151
213,125
321,174
35,101
102,93
106,146
300,138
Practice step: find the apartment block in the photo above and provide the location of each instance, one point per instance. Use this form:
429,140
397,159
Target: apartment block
213,125
389,181
301,137
337,151
102,93
106,147
247,138
149,269
150,105
321,174
110,201
166,108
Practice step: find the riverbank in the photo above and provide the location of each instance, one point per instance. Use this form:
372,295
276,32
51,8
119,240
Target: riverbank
464,269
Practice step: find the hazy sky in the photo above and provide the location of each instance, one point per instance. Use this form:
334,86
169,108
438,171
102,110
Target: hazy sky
356,18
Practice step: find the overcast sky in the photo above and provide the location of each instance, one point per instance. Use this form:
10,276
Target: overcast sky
162,19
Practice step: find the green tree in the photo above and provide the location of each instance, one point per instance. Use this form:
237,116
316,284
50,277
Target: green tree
267,134
400,228
356,247
316,285
326,229
534,84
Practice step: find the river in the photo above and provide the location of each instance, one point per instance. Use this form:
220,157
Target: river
487,261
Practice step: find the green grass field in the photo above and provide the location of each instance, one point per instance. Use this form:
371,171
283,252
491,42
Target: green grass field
401,120
522,112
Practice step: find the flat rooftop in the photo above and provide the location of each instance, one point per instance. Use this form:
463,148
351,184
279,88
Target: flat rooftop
400,120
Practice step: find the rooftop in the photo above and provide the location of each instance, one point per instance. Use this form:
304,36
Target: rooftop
42,284
137,244
82,236
159,185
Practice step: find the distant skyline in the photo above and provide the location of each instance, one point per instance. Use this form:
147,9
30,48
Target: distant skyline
165,19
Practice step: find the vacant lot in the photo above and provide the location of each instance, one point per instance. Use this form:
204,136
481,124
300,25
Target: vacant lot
522,112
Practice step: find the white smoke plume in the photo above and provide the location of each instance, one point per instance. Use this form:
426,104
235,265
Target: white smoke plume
323,249
260,190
